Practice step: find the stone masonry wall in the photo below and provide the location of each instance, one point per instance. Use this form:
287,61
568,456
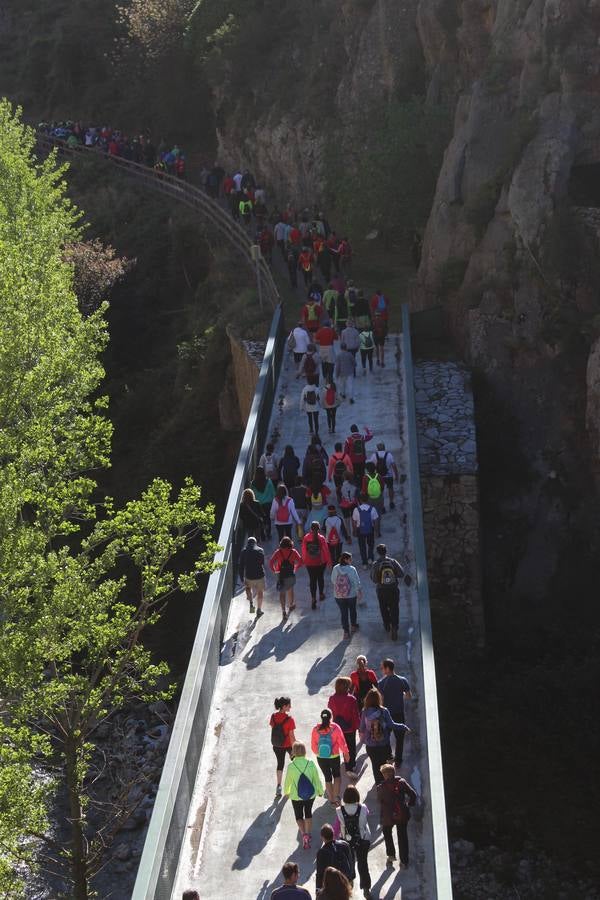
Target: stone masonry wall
237,395
450,496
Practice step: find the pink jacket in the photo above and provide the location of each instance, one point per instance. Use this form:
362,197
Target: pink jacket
338,741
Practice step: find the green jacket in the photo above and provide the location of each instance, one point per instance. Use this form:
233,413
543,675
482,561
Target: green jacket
302,766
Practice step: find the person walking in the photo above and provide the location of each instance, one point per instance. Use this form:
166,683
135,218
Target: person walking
333,855
367,345
339,464
379,305
355,447
252,574
350,336
346,714
335,532
387,574
314,465
316,557
386,468
373,485
269,461
330,402
298,341
317,495
348,495
380,330
346,591
289,890
302,785
306,264
279,234
289,466
328,742
362,680
285,562
251,514
325,338
310,403
341,311
396,796
365,520
394,690
352,824
283,736
264,492
344,373
283,512
299,494
375,727
309,367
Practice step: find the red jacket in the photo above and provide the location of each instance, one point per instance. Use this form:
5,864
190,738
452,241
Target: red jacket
293,556
348,447
324,557
345,707
375,306
356,681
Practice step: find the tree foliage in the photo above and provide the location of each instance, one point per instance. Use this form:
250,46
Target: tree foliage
79,579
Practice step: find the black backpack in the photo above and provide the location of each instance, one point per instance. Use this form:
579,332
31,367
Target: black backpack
352,828
339,468
310,398
317,468
278,734
381,464
286,569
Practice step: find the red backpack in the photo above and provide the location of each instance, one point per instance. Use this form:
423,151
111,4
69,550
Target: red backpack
283,512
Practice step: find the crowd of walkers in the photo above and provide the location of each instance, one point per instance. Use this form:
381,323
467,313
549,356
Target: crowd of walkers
139,148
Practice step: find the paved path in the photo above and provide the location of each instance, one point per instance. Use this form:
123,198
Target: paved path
238,836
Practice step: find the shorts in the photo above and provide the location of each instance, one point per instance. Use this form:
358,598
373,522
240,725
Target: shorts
303,809
286,584
255,584
330,767
280,754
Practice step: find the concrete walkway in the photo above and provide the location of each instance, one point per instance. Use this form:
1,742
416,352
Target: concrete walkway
238,836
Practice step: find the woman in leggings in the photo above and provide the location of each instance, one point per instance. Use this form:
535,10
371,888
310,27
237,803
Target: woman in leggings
327,742
282,735
302,784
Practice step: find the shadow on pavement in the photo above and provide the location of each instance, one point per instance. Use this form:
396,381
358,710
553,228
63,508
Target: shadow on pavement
324,670
258,835
279,642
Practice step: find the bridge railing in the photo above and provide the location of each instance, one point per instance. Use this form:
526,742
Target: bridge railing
435,779
188,194
167,829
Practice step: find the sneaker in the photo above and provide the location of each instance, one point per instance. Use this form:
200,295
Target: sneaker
278,791
354,629
313,605
367,894
284,616
252,609
390,861
308,841
292,606
346,635
321,598
259,613
305,842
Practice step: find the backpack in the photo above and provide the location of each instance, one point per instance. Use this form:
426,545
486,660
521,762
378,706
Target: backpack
316,500
373,487
330,396
310,366
313,313
368,341
282,515
334,536
305,787
400,811
343,862
352,828
343,586
381,303
387,576
310,398
366,522
278,734
286,569
325,745
291,342
357,443
376,729
381,463
313,549
339,468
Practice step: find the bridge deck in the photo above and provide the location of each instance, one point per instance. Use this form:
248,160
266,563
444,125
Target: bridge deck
238,836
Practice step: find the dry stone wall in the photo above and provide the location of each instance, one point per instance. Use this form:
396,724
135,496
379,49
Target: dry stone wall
450,496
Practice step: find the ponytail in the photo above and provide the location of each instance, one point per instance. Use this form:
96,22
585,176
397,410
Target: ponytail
280,702
325,719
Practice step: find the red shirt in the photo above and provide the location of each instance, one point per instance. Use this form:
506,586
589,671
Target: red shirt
356,681
228,184
279,555
324,557
288,725
295,236
326,336
345,705
375,306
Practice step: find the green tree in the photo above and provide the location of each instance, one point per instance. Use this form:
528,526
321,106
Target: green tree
79,580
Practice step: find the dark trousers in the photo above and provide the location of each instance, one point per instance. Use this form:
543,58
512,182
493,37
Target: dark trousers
364,356
389,601
379,756
388,837
315,578
284,531
361,854
331,411
336,551
359,471
351,741
313,422
327,369
365,545
399,733
266,511
347,607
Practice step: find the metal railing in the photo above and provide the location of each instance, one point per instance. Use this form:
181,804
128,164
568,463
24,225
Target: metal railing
441,858
188,194
167,829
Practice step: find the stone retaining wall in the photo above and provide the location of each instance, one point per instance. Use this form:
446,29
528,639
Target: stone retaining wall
449,484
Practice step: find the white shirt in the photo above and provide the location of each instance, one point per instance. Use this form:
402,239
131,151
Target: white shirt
302,338
237,180
365,506
280,231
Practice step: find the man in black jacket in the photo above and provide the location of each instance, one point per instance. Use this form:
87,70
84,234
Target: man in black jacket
387,574
334,853
252,574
